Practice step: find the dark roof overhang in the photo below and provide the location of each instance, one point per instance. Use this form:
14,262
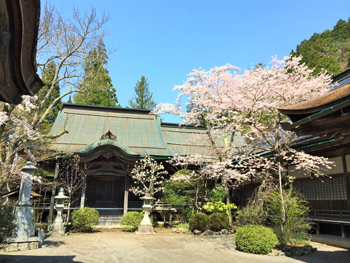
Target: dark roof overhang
19,23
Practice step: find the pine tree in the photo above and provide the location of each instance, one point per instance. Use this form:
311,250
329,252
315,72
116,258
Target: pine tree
143,98
96,78
47,77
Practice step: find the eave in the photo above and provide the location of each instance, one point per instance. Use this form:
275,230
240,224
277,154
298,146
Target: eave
19,25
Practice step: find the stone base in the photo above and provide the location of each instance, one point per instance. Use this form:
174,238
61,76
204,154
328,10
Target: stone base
57,230
20,244
25,229
145,229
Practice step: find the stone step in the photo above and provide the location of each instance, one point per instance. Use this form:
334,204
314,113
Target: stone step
104,212
109,222
110,217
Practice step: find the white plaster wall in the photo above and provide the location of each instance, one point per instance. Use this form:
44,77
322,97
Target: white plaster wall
297,173
347,160
338,168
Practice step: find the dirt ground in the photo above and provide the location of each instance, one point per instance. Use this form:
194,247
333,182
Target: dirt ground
114,245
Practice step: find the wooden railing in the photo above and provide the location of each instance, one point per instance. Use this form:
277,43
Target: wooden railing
331,215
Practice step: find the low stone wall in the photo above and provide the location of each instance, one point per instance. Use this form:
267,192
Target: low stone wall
20,244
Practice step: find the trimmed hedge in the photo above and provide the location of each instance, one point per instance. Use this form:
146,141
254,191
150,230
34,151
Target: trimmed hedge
218,221
131,220
256,239
84,220
199,222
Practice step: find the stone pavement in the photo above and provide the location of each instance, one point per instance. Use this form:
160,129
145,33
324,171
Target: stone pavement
114,245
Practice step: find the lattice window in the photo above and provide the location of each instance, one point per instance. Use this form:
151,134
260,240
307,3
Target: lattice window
297,186
329,189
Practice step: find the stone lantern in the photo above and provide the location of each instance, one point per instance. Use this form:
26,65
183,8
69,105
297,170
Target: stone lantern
58,228
25,238
146,225
24,215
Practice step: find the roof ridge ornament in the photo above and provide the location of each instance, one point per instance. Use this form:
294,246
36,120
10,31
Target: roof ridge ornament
108,135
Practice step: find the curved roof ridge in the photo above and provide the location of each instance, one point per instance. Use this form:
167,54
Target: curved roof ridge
317,104
110,142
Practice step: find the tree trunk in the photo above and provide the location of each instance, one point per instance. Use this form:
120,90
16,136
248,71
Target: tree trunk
68,211
228,202
283,210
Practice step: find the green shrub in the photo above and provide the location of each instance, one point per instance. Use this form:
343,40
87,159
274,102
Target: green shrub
186,214
290,226
217,194
84,220
215,207
252,214
218,221
131,220
7,226
199,222
183,226
255,239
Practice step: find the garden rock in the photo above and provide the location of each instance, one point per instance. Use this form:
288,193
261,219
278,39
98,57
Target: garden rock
224,231
179,230
207,233
196,232
293,251
276,252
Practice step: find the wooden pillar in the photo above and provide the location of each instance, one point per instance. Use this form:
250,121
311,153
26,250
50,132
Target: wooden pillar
318,229
342,229
126,194
83,190
52,201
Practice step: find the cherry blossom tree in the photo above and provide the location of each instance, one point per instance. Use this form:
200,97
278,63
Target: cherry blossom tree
226,103
15,137
71,176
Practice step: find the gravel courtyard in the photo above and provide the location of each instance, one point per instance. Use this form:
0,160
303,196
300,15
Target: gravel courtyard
114,245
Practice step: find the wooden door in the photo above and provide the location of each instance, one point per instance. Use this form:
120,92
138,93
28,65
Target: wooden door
105,192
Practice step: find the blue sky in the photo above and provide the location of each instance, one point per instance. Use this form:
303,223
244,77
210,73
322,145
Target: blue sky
164,40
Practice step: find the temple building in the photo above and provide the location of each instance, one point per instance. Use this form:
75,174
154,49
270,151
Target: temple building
109,141
327,120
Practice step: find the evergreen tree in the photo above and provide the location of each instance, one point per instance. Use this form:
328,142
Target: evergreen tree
329,50
47,77
96,78
143,98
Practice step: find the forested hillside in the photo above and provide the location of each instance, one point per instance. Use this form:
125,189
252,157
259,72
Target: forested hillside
328,50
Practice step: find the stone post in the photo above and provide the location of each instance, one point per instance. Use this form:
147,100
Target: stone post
146,225
57,228
126,194
24,209
53,193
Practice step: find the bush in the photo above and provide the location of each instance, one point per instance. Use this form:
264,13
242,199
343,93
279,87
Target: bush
218,221
183,226
84,220
7,226
256,239
217,194
199,222
186,214
252,214
295,227
131,220
218,207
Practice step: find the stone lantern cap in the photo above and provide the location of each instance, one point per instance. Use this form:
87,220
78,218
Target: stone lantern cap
29,167
147,196
61,195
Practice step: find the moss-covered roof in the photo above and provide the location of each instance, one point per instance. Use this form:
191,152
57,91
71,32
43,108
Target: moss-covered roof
137,132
